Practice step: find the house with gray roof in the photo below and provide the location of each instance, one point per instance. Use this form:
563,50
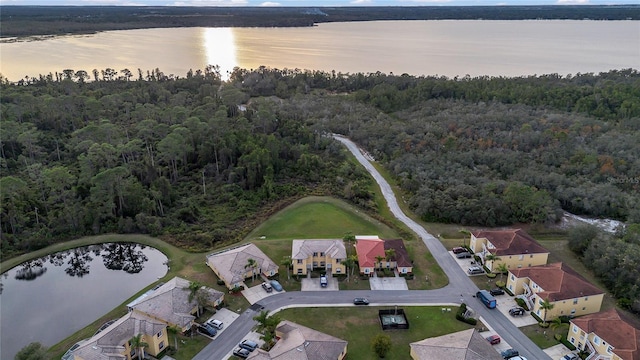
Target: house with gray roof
461,345
232,265
170,303
300,342
326,254
114,342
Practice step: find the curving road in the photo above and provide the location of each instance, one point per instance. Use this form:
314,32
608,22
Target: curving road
459,284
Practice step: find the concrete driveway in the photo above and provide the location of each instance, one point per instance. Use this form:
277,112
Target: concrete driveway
226,316
464,264
313,284
388,283
256,293
506,302
557,352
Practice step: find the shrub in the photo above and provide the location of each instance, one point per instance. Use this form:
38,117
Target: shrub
500,284
566,343
508,291
220,282
491,275
522,304
381,344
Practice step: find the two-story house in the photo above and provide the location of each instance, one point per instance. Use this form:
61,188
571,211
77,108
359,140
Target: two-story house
328,255
115,341
514,248
606,335
568,291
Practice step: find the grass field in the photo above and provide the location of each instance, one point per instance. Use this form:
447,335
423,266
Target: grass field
358,325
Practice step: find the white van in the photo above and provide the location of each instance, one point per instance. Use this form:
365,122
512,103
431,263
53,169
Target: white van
216,324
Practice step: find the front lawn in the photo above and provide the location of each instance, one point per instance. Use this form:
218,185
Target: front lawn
358,325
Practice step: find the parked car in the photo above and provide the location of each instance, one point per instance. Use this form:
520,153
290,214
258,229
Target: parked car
570,356
216,324
208,330
276,285
323,280
241,353
516,311
496,291
493,339
361,301
509,353
248,344
267,287
463,255
458,250
474,270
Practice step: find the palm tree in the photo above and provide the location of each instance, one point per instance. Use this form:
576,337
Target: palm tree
379,259
390,254
545,305
502,268
138,343
349,263
287,262
491,257
464,238
353,258
202,300
251,264
174,330
194,286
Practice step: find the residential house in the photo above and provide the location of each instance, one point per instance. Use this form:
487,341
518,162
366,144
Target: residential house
328,255
170,303
114,342
568,291
609,335
514,248
299,342
461,345
400,258
371,253
232,265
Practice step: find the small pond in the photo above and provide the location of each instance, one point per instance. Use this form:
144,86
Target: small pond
50,298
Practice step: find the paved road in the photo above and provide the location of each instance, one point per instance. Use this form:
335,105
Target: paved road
459,284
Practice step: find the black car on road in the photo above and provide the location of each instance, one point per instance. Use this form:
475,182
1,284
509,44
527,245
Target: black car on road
360,301
509,353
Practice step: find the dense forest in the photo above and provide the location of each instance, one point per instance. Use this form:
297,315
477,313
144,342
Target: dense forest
18,21
200,161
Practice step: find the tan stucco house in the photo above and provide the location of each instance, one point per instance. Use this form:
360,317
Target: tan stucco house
300,342
170,303
461,345
231,265
568,291
114,342
325,254
606,335
514,248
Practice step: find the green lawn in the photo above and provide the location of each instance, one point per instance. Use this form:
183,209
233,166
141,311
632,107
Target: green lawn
358,325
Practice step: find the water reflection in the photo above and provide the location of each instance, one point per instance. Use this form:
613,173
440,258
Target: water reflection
128,257
220,48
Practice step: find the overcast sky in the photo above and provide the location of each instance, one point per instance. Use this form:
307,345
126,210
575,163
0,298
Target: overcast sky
313,2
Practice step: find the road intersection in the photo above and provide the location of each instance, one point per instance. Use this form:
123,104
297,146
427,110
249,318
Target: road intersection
460,287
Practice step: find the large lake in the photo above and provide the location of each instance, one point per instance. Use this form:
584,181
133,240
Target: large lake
49,299
449,48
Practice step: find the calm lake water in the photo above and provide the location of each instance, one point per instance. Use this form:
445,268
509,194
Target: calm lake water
449,48
48,299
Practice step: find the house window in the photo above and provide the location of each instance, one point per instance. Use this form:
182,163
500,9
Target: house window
519,266
366,271
584,308
322,254
315,254
337,261
575,329
511,287
299,261
404,270
512,277
299,271
159,334
530,256
596,340
315,264
573,340
338,270
609,349
322,263
586,298
161,345
575,301
521,257
573,311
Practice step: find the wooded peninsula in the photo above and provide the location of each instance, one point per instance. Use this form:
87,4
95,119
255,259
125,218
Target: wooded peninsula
22,21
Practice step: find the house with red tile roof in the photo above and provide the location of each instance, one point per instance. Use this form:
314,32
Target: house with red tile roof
513,247
370,250
607,335
568,291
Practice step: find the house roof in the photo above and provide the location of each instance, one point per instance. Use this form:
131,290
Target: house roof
401,256
615,328
302,249
170,302
510,242
231,263
368,250
298,342
558,281
462,345
108,344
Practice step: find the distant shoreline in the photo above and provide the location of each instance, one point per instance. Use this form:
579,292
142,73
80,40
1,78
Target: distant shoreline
36,21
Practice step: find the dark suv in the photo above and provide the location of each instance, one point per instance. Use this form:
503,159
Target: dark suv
496,291
516,311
